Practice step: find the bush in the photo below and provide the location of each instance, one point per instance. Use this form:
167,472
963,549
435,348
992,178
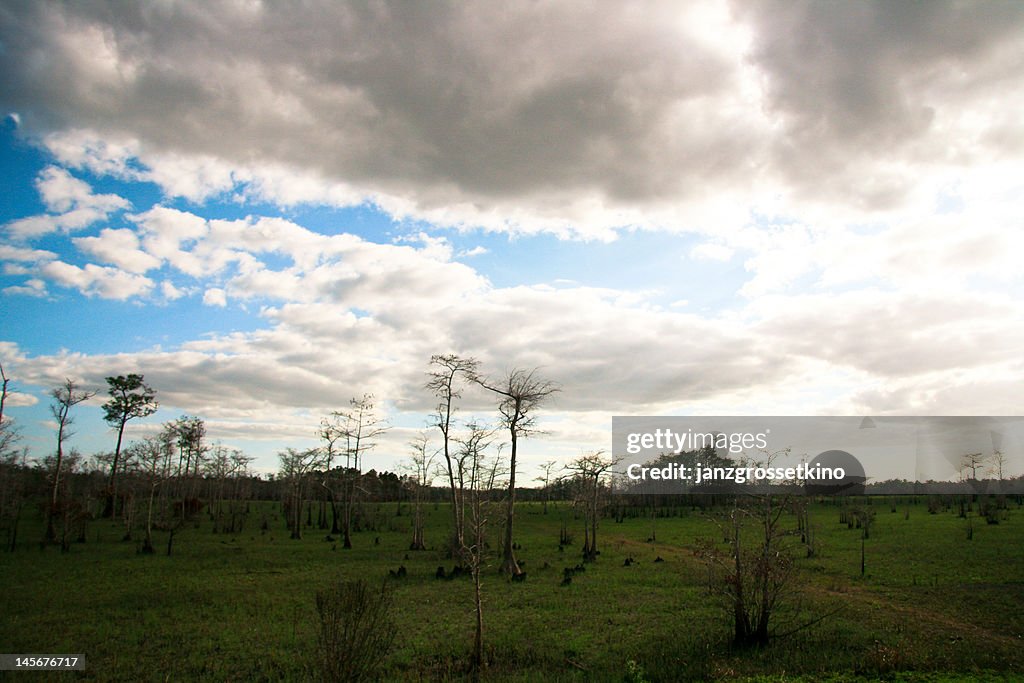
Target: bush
356,630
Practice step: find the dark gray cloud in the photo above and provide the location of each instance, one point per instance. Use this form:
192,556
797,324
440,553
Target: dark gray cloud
436,103
853,83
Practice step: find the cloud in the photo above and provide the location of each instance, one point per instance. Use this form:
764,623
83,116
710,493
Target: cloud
361,317
609,356
383,309
163,233
33,287
102,281
61,192
895,335
103,156
878,87
215,297
537,118
17,399
119,248
72,203
11,253
170,291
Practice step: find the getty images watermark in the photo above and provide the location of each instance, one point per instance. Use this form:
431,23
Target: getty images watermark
701,474
712,446
841,455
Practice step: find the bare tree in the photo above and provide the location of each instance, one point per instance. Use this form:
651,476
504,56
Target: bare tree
547,468
154,456
590,469
359,427
444,382
128,490
65,397
331,432
295,469
170,484
130,397
12,472
190,437
191,447
480,476
520,393
223,464
8,434
13,493
241,489
68,516
755,573
3,396
419,479
971,462
998,464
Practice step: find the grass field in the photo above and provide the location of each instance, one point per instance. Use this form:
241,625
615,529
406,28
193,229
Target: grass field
931,606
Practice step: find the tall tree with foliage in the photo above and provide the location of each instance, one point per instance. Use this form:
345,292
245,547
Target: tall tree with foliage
130,397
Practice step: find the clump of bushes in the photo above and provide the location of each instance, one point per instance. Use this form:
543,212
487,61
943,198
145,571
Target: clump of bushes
356,630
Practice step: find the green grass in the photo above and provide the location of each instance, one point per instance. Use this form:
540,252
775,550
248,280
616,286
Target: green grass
932,605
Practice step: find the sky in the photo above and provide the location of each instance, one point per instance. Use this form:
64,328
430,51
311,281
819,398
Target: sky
699,208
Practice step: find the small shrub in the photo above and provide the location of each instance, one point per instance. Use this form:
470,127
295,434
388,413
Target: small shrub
635,673
356,630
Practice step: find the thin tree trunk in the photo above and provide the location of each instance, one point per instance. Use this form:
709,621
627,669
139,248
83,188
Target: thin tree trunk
347,518
478,640
509,564
111,507
458,534
296,512
13,534
742,626
147,546
51,532
128,515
